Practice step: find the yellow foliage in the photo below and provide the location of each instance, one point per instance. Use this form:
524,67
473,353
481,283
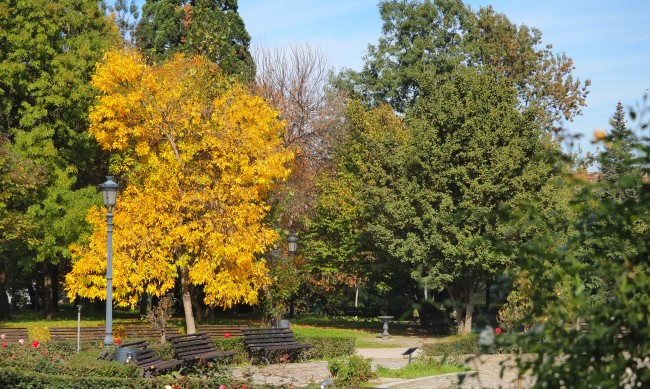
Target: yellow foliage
199,155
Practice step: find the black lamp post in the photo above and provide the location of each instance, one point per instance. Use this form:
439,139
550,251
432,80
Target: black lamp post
109,193
293,247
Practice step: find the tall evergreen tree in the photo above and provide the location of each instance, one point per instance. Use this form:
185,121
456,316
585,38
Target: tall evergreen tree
616,161
209,27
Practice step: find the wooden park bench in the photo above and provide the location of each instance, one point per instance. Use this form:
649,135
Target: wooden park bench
70,333
262,342
218,331
13,334
147,359
148,332
196,349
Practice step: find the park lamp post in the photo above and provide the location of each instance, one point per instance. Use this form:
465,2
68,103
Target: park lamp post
109,193
293,244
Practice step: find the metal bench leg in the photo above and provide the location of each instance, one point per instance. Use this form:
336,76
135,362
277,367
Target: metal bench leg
266,358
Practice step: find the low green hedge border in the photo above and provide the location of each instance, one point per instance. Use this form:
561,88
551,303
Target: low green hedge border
457,345
20,379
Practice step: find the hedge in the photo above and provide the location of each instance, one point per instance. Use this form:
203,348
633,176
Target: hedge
457,345
21,379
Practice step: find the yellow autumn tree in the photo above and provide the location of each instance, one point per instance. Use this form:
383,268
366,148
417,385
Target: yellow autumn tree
196,155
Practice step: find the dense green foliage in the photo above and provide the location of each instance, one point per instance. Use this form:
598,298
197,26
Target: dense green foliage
478,96
452,346
351,371
210,28
590,309
48,50
340,243
21,379
421,38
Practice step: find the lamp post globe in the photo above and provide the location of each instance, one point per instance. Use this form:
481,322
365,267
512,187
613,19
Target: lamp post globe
109,194
293,244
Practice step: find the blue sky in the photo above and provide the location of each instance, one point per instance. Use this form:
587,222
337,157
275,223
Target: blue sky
609,41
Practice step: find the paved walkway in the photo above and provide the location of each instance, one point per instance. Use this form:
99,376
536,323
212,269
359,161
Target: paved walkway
486,373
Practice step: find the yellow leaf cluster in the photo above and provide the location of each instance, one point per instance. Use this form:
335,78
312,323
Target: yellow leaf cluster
199,155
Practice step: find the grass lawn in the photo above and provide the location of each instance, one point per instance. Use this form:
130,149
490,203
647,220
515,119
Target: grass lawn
417,369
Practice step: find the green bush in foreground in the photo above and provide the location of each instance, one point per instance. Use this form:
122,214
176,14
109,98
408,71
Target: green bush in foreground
51,360
353,370
20,379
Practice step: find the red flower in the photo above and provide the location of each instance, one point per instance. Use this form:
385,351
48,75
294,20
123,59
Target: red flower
226,335
4,344
497,330
35,344
222,387
118,341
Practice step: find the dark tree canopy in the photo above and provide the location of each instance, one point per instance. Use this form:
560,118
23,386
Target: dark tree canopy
208,27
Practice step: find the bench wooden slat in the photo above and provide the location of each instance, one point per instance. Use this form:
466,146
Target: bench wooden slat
217,331
147,359
262,341
70,333
194,347
13,334
147,332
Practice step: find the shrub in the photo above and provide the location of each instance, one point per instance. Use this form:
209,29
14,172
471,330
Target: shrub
233,344
456,345
52,361
164,351
20,379
352,370
328,348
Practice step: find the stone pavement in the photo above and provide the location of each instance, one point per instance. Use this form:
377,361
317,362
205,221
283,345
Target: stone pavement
486,373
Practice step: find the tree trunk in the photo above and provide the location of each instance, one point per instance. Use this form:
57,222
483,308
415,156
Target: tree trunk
356,297
199,307
187,300
33,295
463,299
49,290
5,312
469,312
144,303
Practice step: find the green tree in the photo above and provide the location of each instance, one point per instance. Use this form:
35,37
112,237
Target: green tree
19,179
210,28
610,243
48,50
616,168
368,157
479,96
424,37
475,157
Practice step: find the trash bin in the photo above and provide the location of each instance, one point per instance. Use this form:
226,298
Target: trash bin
283,323
122,354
